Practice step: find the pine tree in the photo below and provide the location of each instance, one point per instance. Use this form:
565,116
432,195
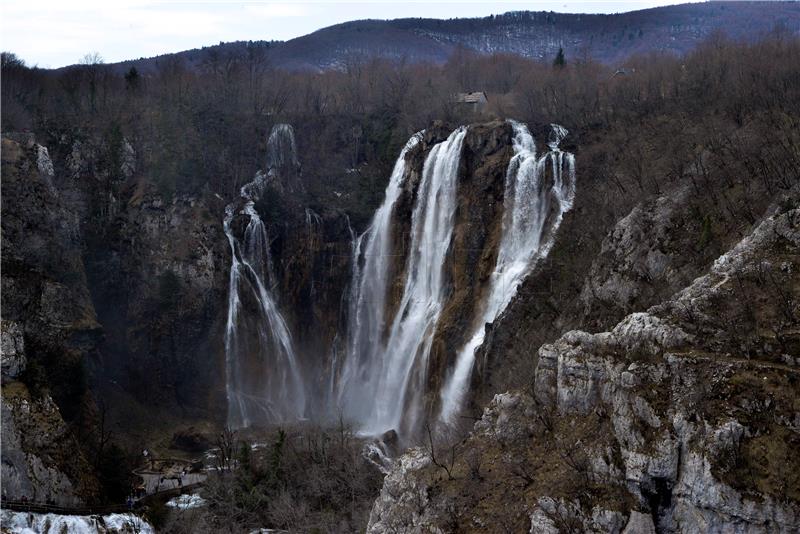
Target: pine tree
132,79
559,61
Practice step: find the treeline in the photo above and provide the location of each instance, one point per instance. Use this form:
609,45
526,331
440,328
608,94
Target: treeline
656,118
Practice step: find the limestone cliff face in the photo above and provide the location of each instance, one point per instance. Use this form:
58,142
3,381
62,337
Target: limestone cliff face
118,290
158,273
41,458
313,260
49,332
614,254
683,418
155,269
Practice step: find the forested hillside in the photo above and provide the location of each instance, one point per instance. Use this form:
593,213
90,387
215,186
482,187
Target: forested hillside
607,38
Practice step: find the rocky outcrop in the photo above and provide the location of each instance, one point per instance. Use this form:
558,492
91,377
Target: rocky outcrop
644,259
13,350
665,423
40,459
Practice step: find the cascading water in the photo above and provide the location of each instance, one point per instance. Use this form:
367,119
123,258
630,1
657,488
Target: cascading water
532,213
368,301
383,380
282,154
379,380
263,378
401,385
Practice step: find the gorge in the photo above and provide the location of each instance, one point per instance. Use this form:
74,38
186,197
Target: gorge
350,300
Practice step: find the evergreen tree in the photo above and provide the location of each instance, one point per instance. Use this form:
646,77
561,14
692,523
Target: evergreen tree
132,79
559,61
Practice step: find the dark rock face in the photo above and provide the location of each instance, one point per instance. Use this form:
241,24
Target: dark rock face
158,274
156,269
115,288
50,331
311,254
475,242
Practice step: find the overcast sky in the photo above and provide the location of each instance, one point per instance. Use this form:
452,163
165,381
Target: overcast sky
54,33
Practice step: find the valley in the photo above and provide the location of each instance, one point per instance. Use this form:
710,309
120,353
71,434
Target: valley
346,298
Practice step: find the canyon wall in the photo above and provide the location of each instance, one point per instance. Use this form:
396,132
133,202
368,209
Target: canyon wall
681,418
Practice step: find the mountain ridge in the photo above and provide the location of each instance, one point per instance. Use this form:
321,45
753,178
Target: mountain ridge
608,38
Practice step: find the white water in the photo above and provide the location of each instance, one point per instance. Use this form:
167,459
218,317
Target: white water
28,523
532,213
368,300
399,390
263,378
187,501
281,151
390,372
379,380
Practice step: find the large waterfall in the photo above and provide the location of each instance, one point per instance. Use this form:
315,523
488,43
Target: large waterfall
378,377
532,211
263,379
386,387
368,301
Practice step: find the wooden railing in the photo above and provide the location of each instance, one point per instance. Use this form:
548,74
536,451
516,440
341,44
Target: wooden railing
43,508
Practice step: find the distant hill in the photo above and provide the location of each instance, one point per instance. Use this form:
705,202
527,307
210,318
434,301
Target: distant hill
607,38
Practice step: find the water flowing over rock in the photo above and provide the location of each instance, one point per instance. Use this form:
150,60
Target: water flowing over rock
282,162
25,523
368,300
534,207
404,295
397,376
263,377
409,290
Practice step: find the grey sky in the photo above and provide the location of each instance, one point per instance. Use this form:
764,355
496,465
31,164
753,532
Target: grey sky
54,33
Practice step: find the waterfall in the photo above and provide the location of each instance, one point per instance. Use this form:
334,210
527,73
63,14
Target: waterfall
411,335
384,381
281,151
378,374
368,296
532,212
263,378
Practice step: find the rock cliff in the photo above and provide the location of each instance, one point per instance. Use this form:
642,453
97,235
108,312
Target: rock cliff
49,331
682,418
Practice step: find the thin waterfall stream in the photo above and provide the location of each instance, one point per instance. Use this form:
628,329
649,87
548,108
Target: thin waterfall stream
264,383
